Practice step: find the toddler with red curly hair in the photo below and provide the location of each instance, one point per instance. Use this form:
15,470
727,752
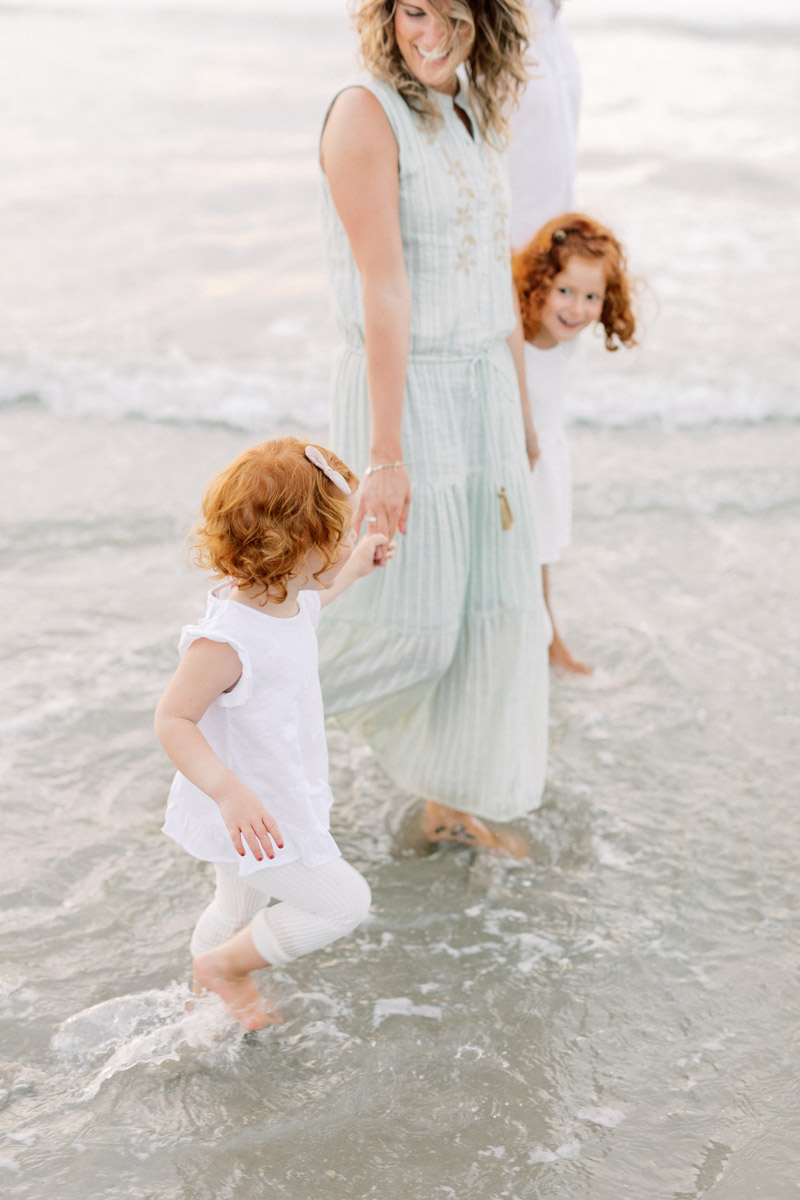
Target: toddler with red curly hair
572,274
242,718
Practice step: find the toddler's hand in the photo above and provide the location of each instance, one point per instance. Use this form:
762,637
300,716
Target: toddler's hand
532,447
364,556
247,820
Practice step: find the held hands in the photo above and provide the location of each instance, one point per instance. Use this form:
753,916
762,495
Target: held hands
361,561
364,558
386,496
247,820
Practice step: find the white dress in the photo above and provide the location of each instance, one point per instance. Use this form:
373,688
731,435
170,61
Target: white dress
542,163
269,729
551,481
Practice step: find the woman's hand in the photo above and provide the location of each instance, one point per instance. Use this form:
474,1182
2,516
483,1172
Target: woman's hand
247,820
386,497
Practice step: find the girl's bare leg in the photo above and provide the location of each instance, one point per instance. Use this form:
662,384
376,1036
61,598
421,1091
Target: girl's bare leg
227,970
442,824
560,655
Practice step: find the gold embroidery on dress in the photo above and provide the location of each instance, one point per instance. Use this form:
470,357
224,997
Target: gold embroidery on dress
502,249
465,213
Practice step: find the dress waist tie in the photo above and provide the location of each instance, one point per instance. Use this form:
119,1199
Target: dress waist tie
489,356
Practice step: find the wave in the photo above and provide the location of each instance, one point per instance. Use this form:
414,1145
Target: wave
764,492
148,1028
619,403
260,398
174,391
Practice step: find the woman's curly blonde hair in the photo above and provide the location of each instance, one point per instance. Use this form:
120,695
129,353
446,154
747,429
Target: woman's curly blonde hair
497,32
267,511
574,235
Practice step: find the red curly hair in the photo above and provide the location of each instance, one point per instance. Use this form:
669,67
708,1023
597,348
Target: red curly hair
574,235
266,512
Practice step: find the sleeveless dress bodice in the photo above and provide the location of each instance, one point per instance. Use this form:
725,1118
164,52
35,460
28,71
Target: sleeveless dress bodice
454,223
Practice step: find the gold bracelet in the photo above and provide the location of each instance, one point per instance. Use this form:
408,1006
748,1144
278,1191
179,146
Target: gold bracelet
382,467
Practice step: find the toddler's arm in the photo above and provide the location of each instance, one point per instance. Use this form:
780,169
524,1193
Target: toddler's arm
206,670
516,343
361,562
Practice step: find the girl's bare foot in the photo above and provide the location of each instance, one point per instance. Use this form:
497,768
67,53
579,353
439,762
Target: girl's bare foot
213,972
196,991
561,657
442,824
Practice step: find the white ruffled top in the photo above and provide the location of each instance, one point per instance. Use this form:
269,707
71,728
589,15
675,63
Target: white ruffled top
269,729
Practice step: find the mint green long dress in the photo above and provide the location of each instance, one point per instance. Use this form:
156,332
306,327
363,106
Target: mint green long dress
439,661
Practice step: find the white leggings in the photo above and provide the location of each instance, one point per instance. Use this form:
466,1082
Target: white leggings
317,906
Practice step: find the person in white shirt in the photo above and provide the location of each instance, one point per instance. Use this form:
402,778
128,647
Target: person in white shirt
242,718
570,275
542,165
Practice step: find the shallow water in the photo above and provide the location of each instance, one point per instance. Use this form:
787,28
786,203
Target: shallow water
615,1017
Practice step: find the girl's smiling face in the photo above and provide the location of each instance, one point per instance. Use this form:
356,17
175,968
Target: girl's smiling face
427,47
574,301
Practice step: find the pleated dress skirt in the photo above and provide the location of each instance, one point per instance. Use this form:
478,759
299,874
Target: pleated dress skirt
439,660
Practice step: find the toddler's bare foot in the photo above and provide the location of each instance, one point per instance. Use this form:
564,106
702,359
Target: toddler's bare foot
442,824
197,990
561,657
237,990
189,1006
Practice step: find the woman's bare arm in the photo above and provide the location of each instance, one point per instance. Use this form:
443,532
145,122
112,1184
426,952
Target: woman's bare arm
360,159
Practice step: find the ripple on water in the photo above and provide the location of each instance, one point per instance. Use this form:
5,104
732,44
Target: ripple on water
145,1029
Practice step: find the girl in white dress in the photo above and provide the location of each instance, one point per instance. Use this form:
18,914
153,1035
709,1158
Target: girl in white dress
572,274
242,718
542,165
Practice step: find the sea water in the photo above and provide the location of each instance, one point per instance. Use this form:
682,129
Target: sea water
615,1017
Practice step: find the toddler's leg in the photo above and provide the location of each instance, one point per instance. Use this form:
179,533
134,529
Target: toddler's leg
234,905
228,971
559,653
317,906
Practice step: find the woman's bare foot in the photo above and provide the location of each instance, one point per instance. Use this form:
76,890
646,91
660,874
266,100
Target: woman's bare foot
561,658
442,824
214,972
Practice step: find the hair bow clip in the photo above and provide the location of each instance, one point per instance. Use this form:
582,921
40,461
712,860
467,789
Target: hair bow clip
318,459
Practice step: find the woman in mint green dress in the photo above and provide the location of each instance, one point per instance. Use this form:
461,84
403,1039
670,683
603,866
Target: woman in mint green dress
440,663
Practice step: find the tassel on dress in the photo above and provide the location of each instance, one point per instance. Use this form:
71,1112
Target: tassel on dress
506,515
